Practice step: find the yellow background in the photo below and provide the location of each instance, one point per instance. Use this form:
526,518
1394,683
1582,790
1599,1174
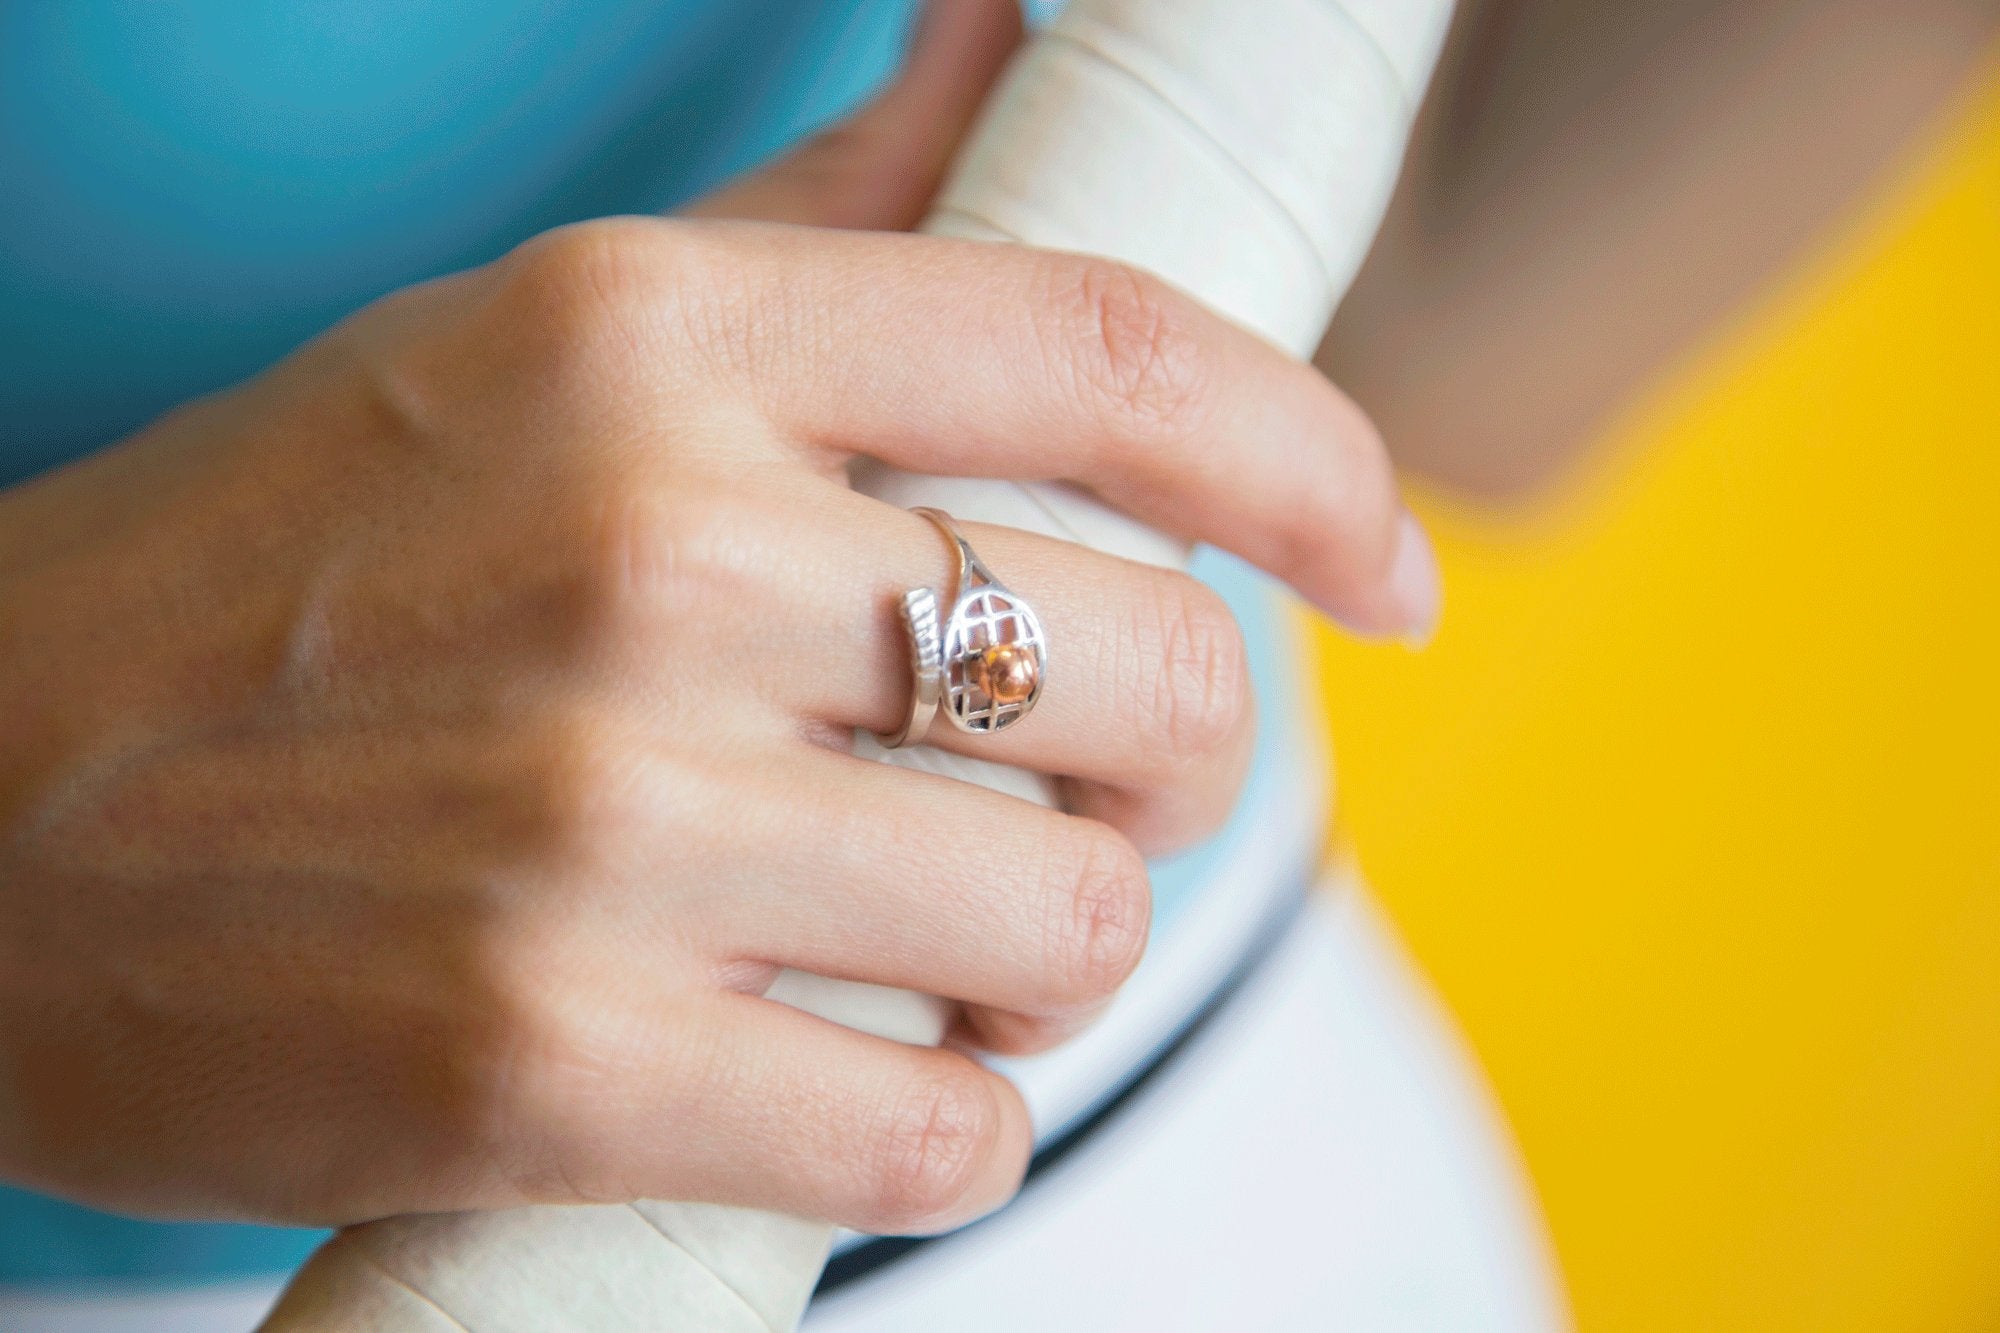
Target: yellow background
1692,811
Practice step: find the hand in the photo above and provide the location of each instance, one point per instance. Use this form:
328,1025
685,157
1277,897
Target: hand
419,758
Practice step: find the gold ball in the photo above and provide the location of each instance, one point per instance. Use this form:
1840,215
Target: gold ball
1006,672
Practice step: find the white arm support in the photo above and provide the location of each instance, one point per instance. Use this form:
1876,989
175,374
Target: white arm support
1244,150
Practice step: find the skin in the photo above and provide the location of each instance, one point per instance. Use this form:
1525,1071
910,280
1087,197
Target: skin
1594,187
420,757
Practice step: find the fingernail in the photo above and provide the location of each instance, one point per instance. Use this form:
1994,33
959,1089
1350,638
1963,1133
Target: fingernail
1414,582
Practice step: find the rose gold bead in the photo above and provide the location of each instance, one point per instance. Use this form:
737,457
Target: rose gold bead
1006,672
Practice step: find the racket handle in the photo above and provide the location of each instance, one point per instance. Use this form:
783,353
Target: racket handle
1243,151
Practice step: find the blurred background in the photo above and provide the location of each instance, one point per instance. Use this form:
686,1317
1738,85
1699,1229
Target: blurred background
1687,326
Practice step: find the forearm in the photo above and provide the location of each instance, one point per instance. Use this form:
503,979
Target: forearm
1594,186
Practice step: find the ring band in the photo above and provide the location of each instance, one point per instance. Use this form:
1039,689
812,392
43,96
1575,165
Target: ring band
983,663
919,613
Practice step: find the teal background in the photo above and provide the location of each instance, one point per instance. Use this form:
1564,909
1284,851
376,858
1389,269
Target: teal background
187,191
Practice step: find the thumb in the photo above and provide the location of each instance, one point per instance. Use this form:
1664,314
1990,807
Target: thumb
879,168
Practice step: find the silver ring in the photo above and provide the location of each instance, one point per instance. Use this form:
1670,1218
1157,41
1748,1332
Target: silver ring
983,663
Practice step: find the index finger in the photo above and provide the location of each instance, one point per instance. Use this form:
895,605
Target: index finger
962,358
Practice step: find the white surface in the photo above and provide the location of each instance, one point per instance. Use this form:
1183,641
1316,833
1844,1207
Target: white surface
220,1308
1323,1157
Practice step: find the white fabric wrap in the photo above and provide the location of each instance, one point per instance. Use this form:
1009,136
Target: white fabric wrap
1242,149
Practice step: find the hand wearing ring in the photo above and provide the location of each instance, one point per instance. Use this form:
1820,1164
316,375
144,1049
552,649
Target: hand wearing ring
451,753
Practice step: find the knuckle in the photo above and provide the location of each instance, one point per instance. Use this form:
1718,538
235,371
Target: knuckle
485,1081
1104,918
1201,696
642,560
574,788
591,296
537,1079
933,1146
571,277
596,265
1136,350
562,1085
